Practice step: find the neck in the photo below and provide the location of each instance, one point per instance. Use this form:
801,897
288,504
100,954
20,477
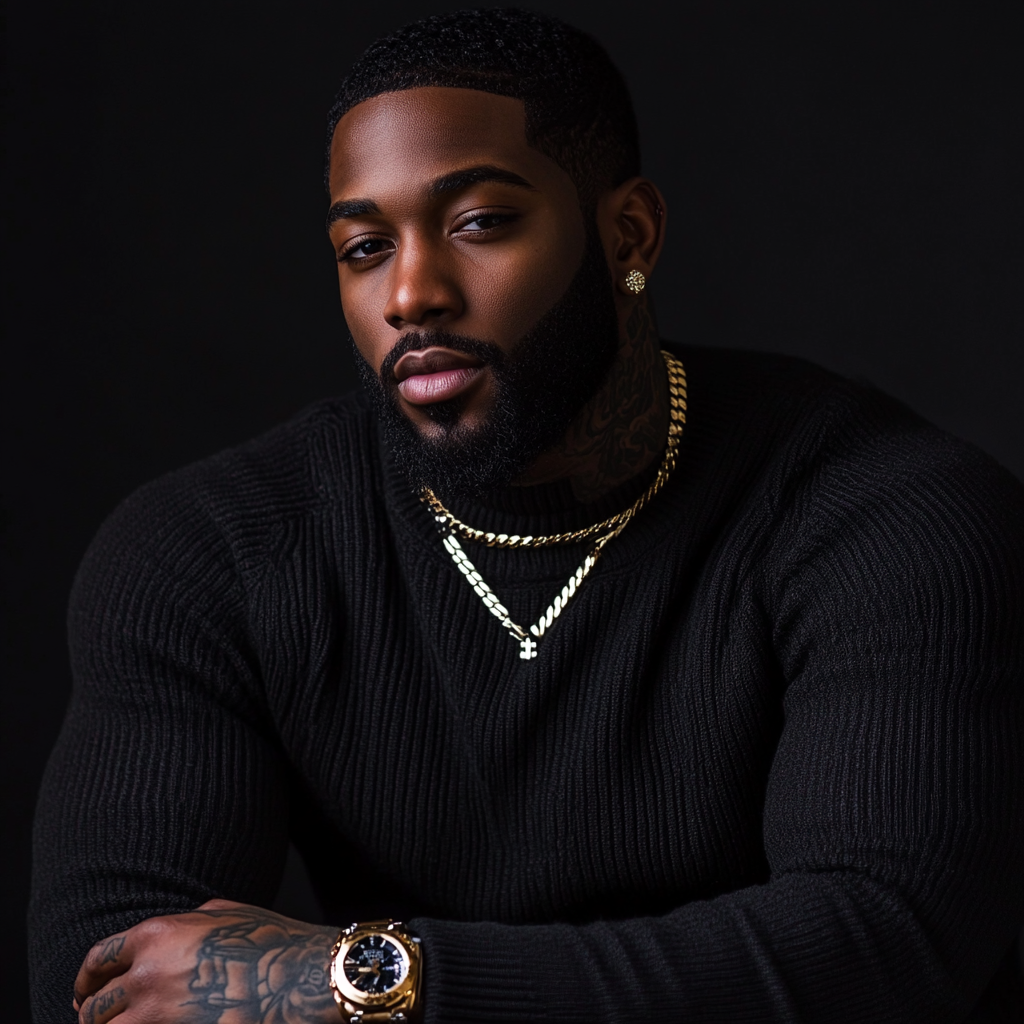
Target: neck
623,428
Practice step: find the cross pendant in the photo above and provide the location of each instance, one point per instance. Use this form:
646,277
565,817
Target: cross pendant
529,649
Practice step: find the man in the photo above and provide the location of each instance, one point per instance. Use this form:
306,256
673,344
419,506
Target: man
630,708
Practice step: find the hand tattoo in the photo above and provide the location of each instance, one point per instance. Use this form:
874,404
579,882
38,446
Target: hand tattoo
110,949
255,968
103,1002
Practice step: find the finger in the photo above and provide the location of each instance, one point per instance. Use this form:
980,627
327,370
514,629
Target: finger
105,1005
106,960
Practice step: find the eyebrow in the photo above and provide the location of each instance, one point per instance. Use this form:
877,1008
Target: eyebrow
453,182
458,180
348,208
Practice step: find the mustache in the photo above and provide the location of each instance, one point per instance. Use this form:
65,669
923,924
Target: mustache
485,351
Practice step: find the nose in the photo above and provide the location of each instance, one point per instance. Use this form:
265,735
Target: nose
423,289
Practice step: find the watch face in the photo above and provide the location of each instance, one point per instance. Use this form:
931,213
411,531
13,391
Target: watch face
375,965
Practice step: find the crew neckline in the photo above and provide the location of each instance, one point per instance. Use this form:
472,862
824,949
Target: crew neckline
556,500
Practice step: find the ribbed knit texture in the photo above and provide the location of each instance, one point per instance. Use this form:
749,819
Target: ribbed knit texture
767,766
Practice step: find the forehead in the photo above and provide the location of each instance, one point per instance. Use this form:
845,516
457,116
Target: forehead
396,139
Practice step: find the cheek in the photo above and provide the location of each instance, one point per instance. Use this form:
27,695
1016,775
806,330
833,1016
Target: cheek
518,284
363,312
509,289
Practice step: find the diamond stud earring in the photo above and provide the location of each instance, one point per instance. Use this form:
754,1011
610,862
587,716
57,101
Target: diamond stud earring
635,281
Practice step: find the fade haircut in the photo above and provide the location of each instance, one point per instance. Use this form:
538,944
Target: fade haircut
578,109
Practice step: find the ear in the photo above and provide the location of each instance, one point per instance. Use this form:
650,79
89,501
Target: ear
631,220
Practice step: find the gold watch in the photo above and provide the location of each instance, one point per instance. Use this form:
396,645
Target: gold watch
375,973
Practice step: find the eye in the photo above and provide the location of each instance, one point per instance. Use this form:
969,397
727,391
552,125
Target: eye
485,222
364,250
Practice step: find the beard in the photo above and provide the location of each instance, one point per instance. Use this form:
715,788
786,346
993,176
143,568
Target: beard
540,386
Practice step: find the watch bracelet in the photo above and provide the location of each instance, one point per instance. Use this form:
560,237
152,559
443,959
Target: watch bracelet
408,1010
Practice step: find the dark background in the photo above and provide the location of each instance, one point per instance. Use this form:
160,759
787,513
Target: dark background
842,185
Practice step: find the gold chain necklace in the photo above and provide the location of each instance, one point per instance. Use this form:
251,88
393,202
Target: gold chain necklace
454,528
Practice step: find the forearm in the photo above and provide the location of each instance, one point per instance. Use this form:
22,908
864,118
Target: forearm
120,843
819,946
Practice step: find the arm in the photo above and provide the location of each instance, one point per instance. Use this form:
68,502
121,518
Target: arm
892,819
166,787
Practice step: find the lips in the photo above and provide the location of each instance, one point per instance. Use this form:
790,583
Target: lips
435,374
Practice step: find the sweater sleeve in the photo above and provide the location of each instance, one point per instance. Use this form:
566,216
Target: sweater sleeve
164,789
892,820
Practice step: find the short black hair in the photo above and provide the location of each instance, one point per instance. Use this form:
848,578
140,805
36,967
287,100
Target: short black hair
578,109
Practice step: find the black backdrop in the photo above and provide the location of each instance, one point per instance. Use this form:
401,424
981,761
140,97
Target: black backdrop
842,186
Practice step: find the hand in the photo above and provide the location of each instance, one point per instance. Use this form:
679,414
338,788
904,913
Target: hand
225,963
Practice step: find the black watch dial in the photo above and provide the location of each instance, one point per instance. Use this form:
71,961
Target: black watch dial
375,965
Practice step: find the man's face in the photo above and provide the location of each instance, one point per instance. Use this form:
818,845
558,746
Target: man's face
479,302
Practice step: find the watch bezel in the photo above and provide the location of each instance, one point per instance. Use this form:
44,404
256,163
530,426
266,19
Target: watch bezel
353,999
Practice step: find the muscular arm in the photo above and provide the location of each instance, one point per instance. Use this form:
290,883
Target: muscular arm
892,821
166,788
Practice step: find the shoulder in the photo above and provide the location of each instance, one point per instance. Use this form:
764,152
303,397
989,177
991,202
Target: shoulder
783,395
218,518
848,490
831,433
297,465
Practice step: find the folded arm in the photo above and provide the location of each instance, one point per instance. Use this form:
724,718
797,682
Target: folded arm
166,787
892,820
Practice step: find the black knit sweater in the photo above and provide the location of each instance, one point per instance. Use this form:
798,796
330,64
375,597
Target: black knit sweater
767,766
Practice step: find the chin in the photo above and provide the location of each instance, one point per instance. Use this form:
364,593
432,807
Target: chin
445,419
